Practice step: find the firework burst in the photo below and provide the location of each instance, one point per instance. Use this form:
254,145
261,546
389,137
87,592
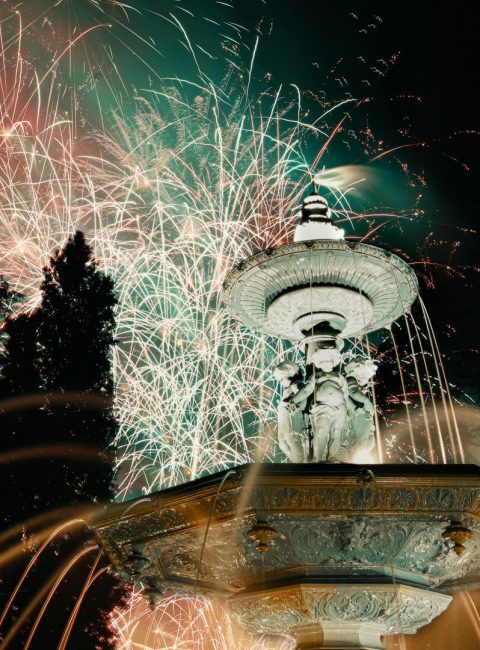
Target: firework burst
196,178
172,193
185,624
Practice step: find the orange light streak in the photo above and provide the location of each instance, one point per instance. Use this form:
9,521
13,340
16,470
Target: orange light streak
38,598
34,560
52,591
88,583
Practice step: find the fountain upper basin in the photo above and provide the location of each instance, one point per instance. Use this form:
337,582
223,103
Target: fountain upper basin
365,285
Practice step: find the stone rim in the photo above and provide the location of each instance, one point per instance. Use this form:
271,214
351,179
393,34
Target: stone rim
287,498
383,278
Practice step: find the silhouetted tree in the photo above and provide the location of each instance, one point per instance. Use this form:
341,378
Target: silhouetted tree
77,325
8,299
76,335
18,341
62,354
19,359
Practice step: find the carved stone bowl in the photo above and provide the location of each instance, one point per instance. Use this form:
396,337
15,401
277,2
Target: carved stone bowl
308,549
367,286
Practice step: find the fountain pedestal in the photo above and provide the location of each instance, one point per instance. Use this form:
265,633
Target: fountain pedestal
338,615
347,636
308,551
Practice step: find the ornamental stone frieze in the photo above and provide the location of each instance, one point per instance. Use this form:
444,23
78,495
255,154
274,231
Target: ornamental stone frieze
421,528
372,610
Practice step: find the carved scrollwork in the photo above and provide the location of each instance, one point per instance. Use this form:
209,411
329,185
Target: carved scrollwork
316,544
364,498
397,609
408,612
439,499
271,614
323,522
402,499
470,500
325,498
227,502
340,605
291,498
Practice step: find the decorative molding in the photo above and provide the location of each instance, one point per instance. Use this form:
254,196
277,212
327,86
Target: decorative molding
387,283
327,526
392,609
321,521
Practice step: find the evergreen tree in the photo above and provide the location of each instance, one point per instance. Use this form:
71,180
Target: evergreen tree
77,325
76,335
19,359
8,299
8,302
19,385
19,427
62,352
18,344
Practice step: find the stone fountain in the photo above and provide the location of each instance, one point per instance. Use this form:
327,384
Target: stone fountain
328,552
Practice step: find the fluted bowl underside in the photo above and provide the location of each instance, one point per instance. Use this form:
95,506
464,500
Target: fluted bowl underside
378,287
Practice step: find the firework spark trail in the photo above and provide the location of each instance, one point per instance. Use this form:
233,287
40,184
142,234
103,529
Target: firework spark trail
185,623
36,170
201,177
225,191
171,203
169,215
184,378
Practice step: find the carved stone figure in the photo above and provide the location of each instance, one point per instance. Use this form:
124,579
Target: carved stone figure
327,393
290,415
359,372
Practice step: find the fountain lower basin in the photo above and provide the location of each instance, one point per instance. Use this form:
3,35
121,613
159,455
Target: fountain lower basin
333,555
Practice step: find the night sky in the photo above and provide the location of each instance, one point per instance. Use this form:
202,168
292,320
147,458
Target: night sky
334,50
406,72
437,62
410,67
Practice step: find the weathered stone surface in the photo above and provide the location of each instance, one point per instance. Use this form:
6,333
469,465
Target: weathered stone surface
347,545
375,610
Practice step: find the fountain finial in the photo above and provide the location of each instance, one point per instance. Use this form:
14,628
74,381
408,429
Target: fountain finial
316,219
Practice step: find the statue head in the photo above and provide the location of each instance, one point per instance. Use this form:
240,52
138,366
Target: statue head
286,372
326,359
361,369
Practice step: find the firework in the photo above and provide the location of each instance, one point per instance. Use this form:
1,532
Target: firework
185,623
195,178
173,188
172,200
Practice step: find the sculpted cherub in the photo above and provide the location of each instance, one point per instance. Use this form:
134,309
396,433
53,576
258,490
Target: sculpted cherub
359,373
290,415
327,393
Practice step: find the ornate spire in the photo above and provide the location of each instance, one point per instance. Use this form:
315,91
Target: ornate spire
316,219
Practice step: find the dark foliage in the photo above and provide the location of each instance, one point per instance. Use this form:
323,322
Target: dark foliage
19,361
75,335
57,390
8,299
77,324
